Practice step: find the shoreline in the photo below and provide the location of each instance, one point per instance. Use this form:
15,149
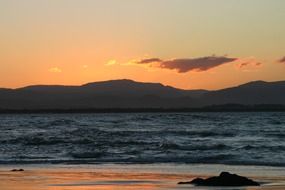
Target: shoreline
135,176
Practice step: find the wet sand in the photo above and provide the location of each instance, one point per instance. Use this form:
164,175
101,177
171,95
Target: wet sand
118,177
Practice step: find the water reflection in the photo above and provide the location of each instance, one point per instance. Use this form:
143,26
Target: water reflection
57,179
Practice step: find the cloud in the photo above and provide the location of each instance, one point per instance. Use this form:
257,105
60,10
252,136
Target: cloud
55,70
151,60
197,64
252,64
241,65
248,63
189,64
111,62
282,60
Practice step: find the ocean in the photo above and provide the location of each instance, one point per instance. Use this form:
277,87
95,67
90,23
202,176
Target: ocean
248,138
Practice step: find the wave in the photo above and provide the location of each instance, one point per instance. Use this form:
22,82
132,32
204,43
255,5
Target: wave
87,155
97,136
274,148
246,138
276,135
89,158
200,147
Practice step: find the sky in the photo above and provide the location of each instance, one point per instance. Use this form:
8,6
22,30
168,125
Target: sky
189,44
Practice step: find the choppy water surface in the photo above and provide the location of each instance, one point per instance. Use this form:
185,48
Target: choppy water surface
218,138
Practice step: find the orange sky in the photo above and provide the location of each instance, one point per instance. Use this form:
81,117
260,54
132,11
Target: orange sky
73,42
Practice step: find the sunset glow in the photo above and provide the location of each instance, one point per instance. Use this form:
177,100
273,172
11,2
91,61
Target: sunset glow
60,179
74,42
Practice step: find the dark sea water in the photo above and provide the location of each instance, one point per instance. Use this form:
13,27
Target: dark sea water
207,138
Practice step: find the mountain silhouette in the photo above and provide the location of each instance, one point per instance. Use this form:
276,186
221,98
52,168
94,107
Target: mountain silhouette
130,94
252,93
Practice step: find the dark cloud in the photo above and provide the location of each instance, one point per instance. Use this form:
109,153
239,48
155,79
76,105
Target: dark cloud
198,64
151,60
250,63
282,60
244,64
185,65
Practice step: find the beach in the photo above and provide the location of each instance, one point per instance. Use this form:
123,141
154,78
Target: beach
130,176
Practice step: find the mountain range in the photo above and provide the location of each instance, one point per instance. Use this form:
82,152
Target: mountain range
130,94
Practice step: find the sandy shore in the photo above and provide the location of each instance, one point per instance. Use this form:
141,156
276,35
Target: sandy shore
117,177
